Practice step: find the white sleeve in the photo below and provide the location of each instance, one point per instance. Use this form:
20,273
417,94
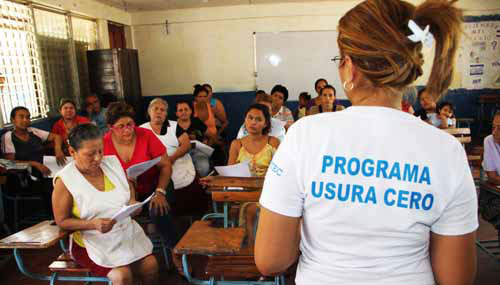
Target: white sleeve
241,132
7,144
44,135
488,156
459,216
283,193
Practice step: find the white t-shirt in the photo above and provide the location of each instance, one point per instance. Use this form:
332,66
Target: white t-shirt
370,183
8,145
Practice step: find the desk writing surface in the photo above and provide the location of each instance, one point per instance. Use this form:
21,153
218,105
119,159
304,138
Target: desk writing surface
490,187
42,235
245,182
202,238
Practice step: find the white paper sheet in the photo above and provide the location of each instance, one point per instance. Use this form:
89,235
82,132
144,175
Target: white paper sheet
208,150
126,211
51,163
236,170
137,169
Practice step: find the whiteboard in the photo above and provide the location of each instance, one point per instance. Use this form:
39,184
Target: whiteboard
296,60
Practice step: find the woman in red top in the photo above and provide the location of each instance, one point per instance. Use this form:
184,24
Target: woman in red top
133,145
69,120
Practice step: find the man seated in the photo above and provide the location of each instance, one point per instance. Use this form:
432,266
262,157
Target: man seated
490,203
95,112
277,127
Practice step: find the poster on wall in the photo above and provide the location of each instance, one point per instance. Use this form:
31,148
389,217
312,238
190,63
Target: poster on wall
479,55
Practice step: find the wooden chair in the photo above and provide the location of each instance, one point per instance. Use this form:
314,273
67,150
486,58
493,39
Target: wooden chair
227,256
222,184
41,236
462,134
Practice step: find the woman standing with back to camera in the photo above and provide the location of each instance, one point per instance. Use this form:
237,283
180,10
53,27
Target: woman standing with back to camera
375,201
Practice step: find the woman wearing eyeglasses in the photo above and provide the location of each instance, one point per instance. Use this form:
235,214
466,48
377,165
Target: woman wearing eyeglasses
133,145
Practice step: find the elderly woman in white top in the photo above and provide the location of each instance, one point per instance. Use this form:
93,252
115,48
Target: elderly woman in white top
87,193
188,197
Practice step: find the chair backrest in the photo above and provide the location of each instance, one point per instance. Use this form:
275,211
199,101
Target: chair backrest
236,196
462,134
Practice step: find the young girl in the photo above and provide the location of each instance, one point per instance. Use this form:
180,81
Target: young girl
446,114
428,111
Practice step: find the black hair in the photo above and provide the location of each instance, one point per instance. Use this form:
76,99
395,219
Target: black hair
14,111
206,86
189,103
198,89
305,95
267,116
83,132
318,81
65,101
420,92
260,92
328,86
118,110
443,104
282,89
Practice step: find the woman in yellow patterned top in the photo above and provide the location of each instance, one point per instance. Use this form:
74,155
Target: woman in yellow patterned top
257,147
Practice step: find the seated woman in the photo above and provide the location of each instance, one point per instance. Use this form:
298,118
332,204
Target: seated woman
189,197
87,193
258,148
69,120
196,130
328,101
133,145
218,110
279,111
203,111
318,85
26,144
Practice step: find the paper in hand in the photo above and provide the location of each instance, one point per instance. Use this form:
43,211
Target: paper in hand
51,163
236,170
126,211
137,169
208,150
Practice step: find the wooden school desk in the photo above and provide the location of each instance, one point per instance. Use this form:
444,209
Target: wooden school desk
236,189
41,236
491,247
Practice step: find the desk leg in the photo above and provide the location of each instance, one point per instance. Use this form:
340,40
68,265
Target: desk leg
226,215
22,268
54,277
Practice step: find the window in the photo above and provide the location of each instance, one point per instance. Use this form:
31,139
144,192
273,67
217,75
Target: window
43,58
19,62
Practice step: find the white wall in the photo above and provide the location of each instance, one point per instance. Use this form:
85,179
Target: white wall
216,45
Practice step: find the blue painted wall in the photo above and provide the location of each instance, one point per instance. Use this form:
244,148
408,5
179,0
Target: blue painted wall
466,105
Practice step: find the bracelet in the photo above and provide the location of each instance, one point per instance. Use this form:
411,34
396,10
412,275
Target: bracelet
161,191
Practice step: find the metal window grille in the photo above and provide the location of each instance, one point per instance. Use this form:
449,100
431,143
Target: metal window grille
84,38
20,68
55,53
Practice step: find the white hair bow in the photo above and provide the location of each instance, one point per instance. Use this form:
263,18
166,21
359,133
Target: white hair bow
419,35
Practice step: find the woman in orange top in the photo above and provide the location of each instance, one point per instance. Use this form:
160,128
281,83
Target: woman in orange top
203,111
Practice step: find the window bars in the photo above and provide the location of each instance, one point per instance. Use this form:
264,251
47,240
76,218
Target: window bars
20,67
43,58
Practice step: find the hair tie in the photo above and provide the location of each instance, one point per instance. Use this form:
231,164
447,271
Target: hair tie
419,35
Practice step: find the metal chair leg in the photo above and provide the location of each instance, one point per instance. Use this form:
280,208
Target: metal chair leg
53,278
16,216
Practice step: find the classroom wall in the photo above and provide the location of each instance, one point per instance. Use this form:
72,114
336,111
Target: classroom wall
91,8
216,44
